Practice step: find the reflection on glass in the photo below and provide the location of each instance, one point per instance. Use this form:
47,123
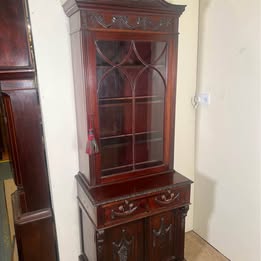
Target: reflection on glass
112,83
116,154
115,118
131,83
148,149
151,52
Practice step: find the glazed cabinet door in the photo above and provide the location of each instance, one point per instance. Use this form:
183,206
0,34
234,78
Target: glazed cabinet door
121,243
160,242
132,104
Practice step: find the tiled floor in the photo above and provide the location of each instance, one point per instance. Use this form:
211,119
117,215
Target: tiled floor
197,249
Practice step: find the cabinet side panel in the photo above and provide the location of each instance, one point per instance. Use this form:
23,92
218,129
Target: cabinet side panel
23,116
88,237
80,101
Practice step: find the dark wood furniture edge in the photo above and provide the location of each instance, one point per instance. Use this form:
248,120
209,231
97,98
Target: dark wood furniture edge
81,180
136,178
35,232
27,217
15,74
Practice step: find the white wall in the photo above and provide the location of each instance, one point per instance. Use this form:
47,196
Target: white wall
227,190
53,57
186,86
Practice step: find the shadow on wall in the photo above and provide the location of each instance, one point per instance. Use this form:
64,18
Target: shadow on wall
203,184
204,205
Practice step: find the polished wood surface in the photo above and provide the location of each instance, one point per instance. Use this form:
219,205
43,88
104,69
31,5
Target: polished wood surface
143,185
34,233
14,48
22,108
132,203
34,223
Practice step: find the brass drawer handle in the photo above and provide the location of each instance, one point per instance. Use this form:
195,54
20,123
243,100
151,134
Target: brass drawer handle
124,210
165,200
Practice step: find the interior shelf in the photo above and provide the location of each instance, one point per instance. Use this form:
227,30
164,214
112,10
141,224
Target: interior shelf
130,134
131,66
131,167
123,100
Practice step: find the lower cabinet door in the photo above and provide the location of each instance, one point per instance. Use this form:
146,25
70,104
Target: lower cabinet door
160,237
122,243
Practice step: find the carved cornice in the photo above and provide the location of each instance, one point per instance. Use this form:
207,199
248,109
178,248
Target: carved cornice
93,20
154,6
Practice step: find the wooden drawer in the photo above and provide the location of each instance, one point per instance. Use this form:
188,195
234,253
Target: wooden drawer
125,209
174,197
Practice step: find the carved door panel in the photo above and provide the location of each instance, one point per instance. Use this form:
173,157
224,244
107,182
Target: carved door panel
122,243
161,237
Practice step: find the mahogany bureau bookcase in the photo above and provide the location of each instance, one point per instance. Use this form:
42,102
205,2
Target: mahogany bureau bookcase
132,203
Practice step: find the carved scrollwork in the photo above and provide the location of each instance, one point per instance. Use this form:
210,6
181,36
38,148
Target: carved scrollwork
164,233
96,20
183,212
122,249
124,210
167,198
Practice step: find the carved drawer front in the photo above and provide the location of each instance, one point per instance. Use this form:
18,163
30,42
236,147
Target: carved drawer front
170,198
124,210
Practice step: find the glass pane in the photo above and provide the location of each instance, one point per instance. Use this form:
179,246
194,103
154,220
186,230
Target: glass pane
115,52
149,115
131,83
148,149
116,153
150,82
153,53
112,83
115,118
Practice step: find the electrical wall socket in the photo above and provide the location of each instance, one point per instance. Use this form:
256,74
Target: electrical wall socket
204,98
200,99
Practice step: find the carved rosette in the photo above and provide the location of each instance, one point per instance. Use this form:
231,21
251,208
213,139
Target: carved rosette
94,20
162,235
121,250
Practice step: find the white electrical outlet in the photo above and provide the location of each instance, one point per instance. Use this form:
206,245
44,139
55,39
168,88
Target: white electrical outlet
201,99
204,98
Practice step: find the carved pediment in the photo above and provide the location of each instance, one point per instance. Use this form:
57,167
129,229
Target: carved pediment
72,6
